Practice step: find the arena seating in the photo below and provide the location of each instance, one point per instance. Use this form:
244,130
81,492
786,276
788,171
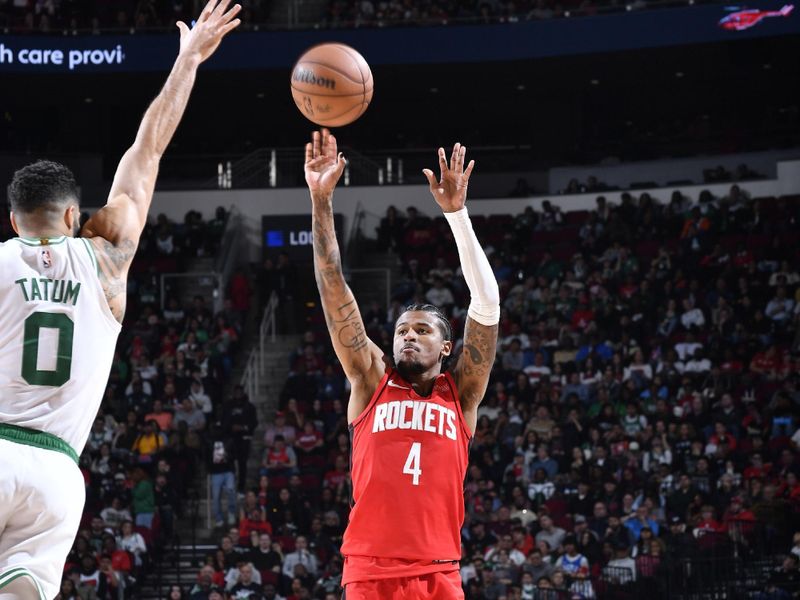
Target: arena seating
640,431
55,17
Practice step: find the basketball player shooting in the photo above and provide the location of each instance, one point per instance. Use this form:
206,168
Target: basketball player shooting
411,423
62,300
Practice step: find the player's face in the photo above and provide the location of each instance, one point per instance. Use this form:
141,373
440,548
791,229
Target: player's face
418,343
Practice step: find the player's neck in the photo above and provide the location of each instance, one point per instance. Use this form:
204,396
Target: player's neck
423,382
44,232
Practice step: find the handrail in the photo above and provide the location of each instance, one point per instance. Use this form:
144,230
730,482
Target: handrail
255,366
209,508
355,232
228,252
230,235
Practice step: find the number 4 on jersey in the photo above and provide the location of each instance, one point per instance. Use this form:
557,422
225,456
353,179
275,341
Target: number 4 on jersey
412,463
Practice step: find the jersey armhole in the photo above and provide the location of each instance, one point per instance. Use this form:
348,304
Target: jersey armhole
452,383
104,307
374,399
92,254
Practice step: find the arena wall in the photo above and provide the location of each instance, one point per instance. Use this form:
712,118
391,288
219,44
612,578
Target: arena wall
254,204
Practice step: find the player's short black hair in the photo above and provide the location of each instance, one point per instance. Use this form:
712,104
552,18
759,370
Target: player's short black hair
43,185
444,322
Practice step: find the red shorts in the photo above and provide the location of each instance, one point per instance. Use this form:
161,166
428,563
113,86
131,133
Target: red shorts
443,585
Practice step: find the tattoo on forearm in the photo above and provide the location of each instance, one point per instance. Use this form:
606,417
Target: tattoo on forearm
344,322
350,328
327,258
480,347
474,354
476,362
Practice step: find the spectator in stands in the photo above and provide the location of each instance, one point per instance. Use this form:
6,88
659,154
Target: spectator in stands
505,544
301,556
572,562
554,536
223,478
239,420
783,582
390,230
143,498
200,398
779,309
309,441
248,583
204,585
263,557
149,442
116,514
190,414
279,428
622,568
439,295
279,460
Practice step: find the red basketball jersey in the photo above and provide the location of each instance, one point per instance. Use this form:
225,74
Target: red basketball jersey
409,459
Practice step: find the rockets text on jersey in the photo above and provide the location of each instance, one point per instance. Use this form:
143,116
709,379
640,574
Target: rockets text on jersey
409,459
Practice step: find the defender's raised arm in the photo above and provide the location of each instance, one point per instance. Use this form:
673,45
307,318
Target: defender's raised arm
115,229
361,359
472,370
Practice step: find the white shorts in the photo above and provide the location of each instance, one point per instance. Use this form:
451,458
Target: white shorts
41,501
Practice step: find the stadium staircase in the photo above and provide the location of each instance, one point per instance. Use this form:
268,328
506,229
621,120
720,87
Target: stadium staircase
179,566
262,374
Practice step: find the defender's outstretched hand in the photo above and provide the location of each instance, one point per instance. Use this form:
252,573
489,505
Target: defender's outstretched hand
450,192
212,25
324,164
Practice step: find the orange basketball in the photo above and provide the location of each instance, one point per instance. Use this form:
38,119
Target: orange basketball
332,85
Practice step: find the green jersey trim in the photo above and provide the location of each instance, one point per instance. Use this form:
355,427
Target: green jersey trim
41,241
92,255
17,572
37,439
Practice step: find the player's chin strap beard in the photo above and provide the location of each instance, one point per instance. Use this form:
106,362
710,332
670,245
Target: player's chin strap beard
410,368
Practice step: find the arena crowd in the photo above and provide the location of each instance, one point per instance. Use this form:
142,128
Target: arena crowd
72,16
643,409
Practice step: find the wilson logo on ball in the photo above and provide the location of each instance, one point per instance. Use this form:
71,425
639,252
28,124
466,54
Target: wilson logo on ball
331,84
305,76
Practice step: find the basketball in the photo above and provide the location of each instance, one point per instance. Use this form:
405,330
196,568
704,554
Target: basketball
332,85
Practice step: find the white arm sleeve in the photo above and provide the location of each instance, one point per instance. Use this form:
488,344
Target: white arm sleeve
484,306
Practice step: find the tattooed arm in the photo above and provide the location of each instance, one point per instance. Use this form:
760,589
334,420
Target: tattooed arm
473,368
114,230
361,359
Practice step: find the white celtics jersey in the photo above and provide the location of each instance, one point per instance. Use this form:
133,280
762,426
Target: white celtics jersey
57,337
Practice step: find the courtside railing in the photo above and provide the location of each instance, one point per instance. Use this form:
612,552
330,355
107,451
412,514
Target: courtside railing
254,373
255,367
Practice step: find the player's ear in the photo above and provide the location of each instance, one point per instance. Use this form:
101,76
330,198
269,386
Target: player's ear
447,348
72,217
14,225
